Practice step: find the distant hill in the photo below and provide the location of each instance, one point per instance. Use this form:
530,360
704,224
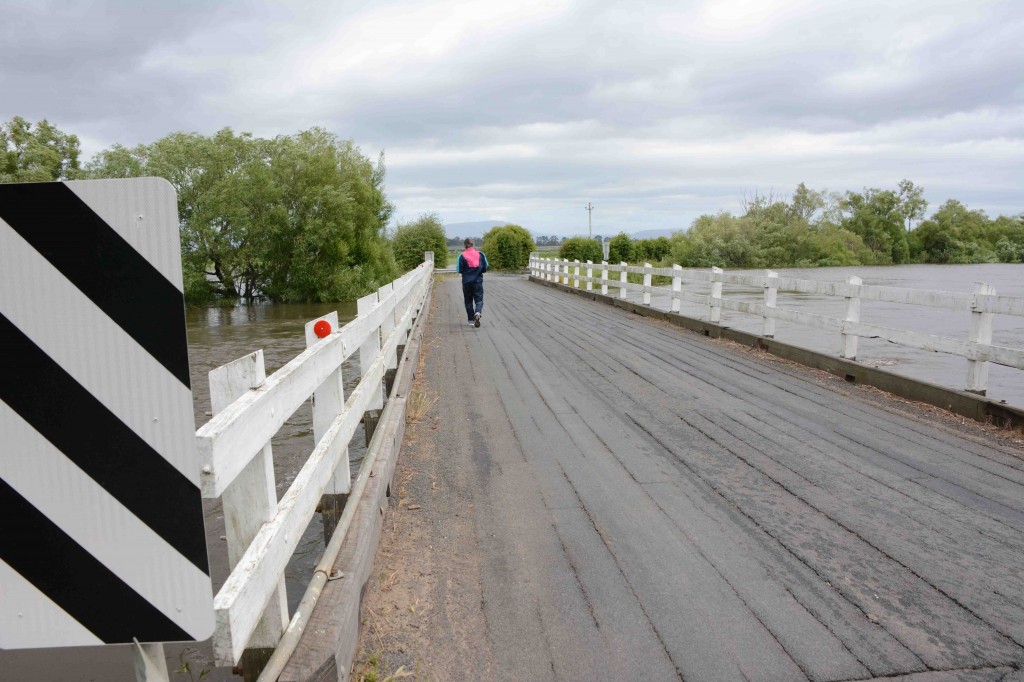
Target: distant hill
475,228
653,234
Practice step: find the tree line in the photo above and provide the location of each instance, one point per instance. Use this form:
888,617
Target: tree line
817,228
305,217
871,227
300,217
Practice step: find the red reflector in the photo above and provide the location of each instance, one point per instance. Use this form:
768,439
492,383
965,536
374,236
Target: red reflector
322,328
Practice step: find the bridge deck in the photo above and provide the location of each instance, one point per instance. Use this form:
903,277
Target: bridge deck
607,497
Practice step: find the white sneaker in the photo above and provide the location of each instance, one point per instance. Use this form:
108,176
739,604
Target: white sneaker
476,320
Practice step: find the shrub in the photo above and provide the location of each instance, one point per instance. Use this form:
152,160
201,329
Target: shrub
412,239
652,249
581,249
1009,252
508,247
621,248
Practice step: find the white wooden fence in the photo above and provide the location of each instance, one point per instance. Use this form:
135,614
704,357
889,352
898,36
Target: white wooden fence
982,305
249,408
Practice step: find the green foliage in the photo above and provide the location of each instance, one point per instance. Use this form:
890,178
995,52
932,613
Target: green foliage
856,228
770,234
581,249
508,247
620,249
39,153
295,218
411,240
955,234
878,217
653,250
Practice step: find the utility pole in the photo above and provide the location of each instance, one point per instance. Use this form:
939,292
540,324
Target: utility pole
590,219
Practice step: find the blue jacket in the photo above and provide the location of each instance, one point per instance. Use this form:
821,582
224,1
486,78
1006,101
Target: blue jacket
472,265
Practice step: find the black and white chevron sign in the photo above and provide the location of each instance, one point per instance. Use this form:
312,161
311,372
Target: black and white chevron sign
101,520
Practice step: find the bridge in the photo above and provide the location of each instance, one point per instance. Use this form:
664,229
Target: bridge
608,497
594,486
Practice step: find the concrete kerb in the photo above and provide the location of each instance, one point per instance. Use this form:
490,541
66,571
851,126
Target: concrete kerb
328,645
966,404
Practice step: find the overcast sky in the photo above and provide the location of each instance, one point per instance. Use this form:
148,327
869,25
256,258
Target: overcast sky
526,110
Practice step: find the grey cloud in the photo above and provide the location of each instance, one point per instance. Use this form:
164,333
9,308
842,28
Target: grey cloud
938,86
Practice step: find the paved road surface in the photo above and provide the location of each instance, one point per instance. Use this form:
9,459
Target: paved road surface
619,499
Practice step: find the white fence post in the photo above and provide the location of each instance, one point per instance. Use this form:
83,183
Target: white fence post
852,315
590,275
981,332
556,269
647,283
249,502
604,278
677,286
370,349
715,304
576,273
771,294
565,271
622,280
388,325
328,402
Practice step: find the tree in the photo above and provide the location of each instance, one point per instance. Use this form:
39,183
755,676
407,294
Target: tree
411,240
298,217
36,153
508,247
582,249
877,216
805,203
912,202
620,249
954,234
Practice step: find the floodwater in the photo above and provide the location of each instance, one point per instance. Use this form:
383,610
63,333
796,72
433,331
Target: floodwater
1005,383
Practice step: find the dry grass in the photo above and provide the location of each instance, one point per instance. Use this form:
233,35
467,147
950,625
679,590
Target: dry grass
371,671
419,404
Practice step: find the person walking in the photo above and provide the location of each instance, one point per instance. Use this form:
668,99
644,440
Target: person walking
472,265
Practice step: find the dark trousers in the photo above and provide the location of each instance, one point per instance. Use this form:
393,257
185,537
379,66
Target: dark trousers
473,292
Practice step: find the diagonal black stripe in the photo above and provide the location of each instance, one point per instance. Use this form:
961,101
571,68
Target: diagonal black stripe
75,580
97,260
91,436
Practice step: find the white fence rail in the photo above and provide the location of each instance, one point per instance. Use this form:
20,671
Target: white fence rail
249,408
982,305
